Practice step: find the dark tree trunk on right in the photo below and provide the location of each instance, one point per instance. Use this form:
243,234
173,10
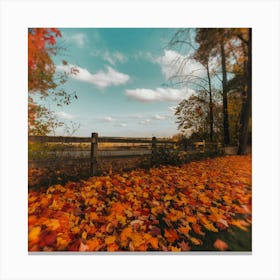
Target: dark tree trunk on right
247,103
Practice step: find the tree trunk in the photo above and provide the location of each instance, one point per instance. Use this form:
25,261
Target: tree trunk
247,103
210,103
225,105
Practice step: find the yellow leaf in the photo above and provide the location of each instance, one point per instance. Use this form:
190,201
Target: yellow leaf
75,229
196,241
44,201
84,235
61,243
121,219
167,197
52,224
191,219
145,195
203,199
34,233
55,205
110,239
97,184
92,201
240,224
137,239
184,229
210,227
175,249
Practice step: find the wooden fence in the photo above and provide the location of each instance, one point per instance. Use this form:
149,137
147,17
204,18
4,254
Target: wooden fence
93,155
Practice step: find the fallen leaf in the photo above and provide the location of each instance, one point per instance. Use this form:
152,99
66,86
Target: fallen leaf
220,245
110,239
34,233
171,235
197,229
83,247
154,242
184,246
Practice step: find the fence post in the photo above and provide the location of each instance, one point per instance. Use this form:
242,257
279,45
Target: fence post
93,153
154,147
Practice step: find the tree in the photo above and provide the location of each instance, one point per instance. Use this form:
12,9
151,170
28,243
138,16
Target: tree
227,52
41,70
192,117
211,44
43,81
245,35
204,60
239,49
199,82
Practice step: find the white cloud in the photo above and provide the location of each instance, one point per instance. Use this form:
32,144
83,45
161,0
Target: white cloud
108,119
121,125
140,55
115,57
111,57
145,122
173,64
64,115
159,117
159,94
79,39
101,79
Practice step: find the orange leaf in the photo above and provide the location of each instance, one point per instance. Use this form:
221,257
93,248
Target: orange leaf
175,249
196,241
240,224
191,219
220,245
34,233
154,242
93,216
93,244
137,239
171,235
184,229
83,247
110,239
112,247
197,229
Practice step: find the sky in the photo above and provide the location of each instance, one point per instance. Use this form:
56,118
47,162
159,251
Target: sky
121,81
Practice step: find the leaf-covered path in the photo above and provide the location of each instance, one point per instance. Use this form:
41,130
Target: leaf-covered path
202,205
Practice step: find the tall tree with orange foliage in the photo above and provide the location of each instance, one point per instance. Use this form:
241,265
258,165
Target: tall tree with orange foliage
43,80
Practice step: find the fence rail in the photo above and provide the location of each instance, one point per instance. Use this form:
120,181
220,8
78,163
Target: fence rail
94,154
62,139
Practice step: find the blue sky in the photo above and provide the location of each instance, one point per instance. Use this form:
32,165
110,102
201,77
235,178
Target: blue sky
120,84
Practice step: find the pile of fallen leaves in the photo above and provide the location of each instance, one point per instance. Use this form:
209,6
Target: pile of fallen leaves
162,209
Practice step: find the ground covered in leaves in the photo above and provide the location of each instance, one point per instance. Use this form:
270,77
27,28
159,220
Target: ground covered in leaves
203,205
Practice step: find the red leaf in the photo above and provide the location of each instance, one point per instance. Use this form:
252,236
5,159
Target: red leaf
47,238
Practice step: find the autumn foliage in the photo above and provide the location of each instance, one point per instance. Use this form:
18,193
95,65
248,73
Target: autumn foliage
160,209
41,44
